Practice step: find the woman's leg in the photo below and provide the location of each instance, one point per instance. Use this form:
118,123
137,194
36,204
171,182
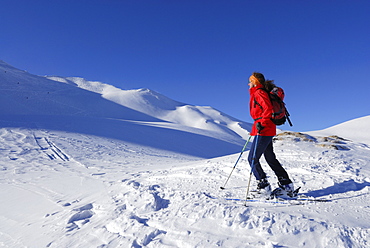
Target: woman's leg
275,165
263,142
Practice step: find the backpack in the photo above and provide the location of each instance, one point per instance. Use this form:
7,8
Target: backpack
280,113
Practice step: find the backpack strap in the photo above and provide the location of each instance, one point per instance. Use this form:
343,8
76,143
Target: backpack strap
287,117
255,101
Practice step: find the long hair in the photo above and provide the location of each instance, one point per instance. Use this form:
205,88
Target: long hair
268,84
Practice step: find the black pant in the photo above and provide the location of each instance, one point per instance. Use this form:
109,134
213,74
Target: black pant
264,146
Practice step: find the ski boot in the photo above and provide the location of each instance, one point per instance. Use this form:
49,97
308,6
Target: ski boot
285,191
264,187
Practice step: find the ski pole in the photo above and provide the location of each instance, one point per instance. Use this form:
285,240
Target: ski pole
252,168
245,146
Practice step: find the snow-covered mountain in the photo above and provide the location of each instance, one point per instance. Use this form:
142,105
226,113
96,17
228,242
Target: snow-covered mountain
138,116
161,107
356,130
84,164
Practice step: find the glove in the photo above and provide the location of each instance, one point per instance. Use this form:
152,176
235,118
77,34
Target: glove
259,127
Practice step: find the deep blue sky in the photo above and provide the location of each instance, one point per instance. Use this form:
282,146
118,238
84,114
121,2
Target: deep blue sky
202,52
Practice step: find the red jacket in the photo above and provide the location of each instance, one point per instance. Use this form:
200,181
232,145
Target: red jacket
261,111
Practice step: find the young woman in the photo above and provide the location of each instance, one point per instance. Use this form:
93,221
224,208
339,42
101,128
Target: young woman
264,130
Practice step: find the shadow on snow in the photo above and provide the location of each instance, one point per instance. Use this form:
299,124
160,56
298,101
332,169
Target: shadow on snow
339,188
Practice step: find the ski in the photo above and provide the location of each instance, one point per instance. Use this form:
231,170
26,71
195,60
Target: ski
255,200
303,198
278,200
280,193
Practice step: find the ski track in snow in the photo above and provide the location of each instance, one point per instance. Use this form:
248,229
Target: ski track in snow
83,191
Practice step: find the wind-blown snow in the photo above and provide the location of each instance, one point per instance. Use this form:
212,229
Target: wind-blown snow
84,164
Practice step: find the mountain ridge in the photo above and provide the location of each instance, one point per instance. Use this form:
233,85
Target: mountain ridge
56,103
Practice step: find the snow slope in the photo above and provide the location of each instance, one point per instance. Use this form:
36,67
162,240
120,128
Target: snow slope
159,106
357,130
80,168
77,105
